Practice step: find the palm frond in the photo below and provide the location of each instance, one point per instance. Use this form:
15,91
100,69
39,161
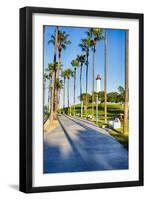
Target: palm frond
51,41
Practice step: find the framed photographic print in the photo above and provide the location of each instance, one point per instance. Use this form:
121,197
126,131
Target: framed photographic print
81,99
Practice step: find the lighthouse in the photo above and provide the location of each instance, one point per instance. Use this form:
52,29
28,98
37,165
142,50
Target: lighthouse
98,89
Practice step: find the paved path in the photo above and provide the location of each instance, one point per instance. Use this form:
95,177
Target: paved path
79,145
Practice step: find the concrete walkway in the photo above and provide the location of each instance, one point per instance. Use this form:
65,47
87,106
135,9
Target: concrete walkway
78,145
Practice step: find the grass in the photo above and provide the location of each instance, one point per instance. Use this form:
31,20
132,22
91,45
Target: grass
120,137
113,111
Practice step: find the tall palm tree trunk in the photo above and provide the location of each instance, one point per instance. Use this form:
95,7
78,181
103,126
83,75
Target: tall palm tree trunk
49,101
74,88
126,108
80,80
68,94
50,92
105,79
59,100
86,84
81,88
59,63
93,82
43,93
58,74
53,107
64,96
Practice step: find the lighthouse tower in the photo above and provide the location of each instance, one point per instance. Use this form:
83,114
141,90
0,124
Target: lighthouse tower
98,83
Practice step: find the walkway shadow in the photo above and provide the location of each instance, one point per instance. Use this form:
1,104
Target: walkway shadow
86,151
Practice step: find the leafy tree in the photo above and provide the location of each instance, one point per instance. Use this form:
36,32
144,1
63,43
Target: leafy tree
113,97
100,96
83,98
121,96
121,89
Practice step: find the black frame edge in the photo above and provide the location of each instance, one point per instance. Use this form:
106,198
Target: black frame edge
25,103
141,99
65,11
22,103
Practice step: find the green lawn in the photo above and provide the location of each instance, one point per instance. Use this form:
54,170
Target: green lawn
113,110
123,139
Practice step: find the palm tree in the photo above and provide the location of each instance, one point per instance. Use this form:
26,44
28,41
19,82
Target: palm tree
105,77
75,64
45,78
44,75
126,108
63,41
64,75
50,71
85,45
81,60
95,34
54,40
69,73
58,86
57,92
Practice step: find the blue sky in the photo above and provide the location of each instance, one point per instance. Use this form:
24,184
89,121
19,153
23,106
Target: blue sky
115,58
